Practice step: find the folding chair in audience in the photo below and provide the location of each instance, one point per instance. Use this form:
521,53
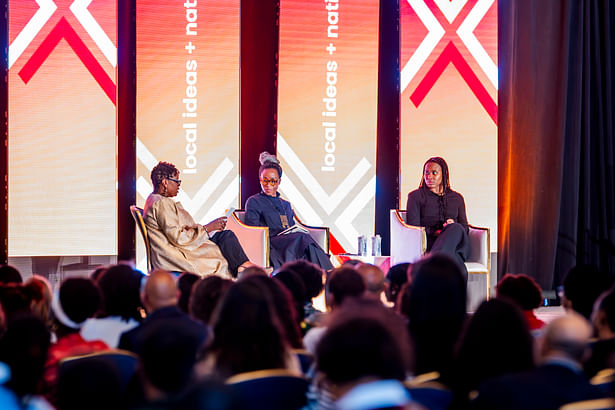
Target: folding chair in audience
305,360
271,389
596,404
123,361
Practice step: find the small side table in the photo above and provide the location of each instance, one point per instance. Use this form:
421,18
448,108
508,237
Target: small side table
383,262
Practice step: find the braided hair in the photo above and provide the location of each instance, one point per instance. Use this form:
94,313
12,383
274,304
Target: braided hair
269,161
446,185
161,171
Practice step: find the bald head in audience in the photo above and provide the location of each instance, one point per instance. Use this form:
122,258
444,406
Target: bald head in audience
374,280
566,337
160,291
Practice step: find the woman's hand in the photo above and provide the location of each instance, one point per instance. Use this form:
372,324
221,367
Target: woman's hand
448,222
216,225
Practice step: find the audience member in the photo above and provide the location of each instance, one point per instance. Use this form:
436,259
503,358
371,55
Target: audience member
342,284
559,378
496,341
39,290
98,272
185,282
247,334
374,280
582,285
526,293
24,349
395,279
15,301
160,298
9,274
363,358
437,311
285,310
206,296
293,282
252,270
312,276
76,301
120,286
603,348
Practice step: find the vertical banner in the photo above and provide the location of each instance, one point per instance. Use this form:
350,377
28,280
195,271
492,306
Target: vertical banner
188,101
449,85
62,134
328,82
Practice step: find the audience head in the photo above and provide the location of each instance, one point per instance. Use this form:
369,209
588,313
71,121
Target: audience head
24,349
206,295
98,272
343,283
251,270
603,316
310,273
285,309
247,333
582,286
39,289
292,281
566,336
167,359
120,286
437,310
15,300
521,289
77,300
160,291
9,274
395,278
364,341
373,277
496,340
184,284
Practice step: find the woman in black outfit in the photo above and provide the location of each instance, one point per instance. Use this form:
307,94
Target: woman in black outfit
441,211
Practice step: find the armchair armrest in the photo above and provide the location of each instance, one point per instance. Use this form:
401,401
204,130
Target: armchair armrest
408,243
253,239
320,234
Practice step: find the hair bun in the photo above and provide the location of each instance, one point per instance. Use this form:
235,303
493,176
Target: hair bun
265,157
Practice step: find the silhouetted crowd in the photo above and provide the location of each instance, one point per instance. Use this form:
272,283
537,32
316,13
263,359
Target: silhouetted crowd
119,339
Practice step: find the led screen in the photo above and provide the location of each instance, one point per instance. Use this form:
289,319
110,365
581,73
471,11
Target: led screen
188,101
449,83
328,80
62,127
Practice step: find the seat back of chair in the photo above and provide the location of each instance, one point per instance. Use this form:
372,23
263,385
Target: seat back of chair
274,389
253,239
123,361
408,243
479,245
137,215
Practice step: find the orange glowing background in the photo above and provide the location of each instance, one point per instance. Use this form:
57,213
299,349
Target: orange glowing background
161,86
457,117
62,132
343,198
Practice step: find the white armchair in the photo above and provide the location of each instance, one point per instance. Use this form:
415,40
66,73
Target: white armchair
408,244
255,239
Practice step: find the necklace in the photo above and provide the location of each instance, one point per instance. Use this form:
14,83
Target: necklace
283,217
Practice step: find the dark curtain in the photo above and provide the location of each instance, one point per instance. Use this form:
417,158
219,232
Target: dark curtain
555,138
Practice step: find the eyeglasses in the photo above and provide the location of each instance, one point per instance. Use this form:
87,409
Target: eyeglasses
177,181
272,182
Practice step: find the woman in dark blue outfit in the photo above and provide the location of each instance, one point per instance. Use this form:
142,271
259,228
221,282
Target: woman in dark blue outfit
268,209
441,211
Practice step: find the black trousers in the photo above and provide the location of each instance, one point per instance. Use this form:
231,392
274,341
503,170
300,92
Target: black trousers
231,250
453,241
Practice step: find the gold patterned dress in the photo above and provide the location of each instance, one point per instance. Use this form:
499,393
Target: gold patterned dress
178,243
